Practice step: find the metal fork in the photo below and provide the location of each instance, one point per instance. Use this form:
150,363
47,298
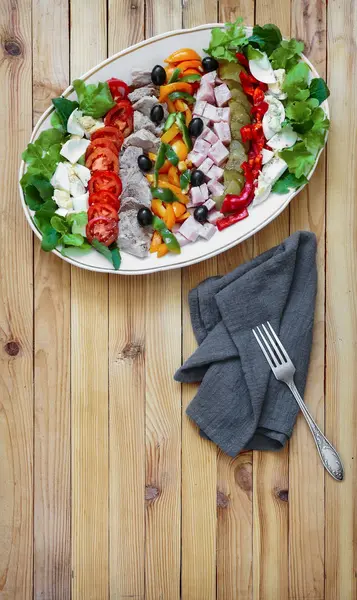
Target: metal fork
284,370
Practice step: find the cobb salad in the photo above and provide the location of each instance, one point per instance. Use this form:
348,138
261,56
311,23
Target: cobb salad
181,152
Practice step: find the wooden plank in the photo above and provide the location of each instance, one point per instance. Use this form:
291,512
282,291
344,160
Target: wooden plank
52,493
199,463
270,470
341,222
306,504
234,476
126,384
89,358
16,306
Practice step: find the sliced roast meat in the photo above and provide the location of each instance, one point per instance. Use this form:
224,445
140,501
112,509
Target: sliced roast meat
137,189
148,90
129,158
133,238
143,122
130,203
145,105
140,77
132,175
143,139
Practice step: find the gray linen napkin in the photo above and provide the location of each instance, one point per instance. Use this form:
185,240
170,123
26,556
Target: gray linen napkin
239,403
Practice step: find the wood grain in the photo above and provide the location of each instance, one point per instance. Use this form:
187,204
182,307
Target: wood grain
306,504
16,310
89,353
341,224
270,470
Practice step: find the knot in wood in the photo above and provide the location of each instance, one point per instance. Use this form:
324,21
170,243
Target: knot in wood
243,477
12,48
222,499
151,493
12,348
131,351
283,495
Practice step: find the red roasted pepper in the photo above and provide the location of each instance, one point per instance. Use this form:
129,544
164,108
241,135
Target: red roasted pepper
242,60
258,96
231,219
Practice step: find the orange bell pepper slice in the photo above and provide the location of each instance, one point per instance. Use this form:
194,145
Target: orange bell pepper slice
170,217
190,64
179,209
158,208
182,54
181,149
170,105
183,217
162,250
165,167
188,117
170,134
180,105
178,86
192,72
173,176
156,241
169,70
176,190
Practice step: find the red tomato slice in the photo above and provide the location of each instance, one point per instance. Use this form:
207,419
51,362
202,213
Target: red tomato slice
111,133
103,159
101,143
121,116
104,197
118,88
103,229
106,181
102,209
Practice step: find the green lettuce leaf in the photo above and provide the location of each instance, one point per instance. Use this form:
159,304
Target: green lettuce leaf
288,182
267,38
77,221
59,224
94,100
314,137
296,82
319,89
37,189
43,155
298,111
298,159
64,108
287,54
254,53
225,42
72,239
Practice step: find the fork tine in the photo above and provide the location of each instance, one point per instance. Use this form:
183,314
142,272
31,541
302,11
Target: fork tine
282,348
274,346
268,347
263,350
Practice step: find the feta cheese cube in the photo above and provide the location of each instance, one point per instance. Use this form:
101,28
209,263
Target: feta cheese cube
80,203
209,204
216,188
218,153
222,94
208,231
207,164
62,199
215,173
201,146
199,108
190,229
74,149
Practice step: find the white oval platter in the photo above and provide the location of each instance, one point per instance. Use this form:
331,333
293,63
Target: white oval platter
144,55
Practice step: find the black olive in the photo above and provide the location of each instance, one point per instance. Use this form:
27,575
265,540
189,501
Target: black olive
201,214
209,64
158,75
144,163
197,178
144,217
195,127
157,113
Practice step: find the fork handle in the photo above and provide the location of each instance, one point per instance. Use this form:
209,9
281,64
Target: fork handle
328,454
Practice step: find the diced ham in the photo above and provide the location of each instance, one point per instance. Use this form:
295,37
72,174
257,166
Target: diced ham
199,108
181,239
223,114
223,131
190,229
210,112
216,188
206,165
201,146
204,191
215,173
219,81
196,158
197,196
213,216
211,137
218,154
209,204
205,131
222,94
210,77
205,92
208,231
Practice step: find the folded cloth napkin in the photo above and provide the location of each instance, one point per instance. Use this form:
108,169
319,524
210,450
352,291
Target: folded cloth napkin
239,403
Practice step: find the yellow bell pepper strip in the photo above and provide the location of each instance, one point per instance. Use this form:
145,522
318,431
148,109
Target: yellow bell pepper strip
176,190
173,175
167,236
170,88
183,54
183,217
160,159
170,105
179,209
188,117
184,95
162,177
174,76
162,250
156,241
170,134
158,208
180,149
170,217
182,166
180,106
152,156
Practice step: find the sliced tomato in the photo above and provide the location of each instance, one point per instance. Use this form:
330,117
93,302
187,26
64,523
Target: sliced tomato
105,181
111,133
102,209
101,143
121,116
103,159
118,88
103,229
104,197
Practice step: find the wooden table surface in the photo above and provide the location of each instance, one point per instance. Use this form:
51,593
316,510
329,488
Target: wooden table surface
106,489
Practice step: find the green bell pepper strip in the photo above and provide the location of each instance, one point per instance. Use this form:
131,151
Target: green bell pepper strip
191,78
180,121
170,121
160,159
168,238
182,95
172,156
175,75
164,194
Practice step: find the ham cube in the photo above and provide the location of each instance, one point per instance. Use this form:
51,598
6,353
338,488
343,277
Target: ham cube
205,131
223,114
190,229
223,131
204,191
210,112
201,146
181,239
211,137
222,94
207,164
205,92
197,196
216,188
210,77
209,204
213,216
215,173
196,158
199,108
208,231
218,154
